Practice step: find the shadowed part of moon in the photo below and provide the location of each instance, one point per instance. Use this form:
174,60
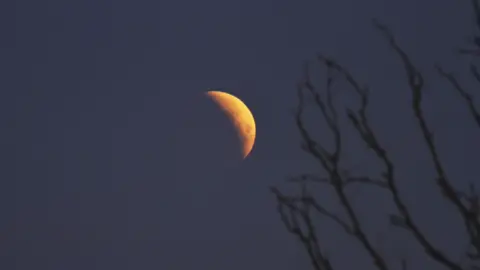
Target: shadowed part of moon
240,116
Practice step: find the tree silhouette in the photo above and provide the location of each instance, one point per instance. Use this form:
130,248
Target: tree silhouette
299,212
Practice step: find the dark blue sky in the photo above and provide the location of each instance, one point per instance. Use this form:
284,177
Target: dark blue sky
115,160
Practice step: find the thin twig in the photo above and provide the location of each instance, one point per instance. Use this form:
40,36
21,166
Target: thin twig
468,98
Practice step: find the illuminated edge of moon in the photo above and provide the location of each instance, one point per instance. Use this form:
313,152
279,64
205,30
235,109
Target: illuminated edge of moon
240,115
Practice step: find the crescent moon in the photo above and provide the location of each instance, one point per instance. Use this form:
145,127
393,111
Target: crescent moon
241,117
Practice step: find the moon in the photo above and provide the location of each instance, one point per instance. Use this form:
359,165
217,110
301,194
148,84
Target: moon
241,117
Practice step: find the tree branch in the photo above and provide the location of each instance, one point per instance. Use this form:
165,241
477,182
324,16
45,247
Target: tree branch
466,96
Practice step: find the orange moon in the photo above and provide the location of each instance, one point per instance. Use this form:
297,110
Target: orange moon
241,117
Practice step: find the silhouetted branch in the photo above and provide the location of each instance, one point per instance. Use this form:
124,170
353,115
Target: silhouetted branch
475,40
301,208
333,166
347,180
361,124
474,71
415,82
309,238
468,98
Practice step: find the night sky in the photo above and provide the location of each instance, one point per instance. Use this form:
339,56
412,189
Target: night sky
113,158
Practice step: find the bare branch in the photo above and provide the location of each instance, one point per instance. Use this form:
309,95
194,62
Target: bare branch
476,13
309,238
297,211
328,214
475,40
415,82
348,180
466,96
361,124
332,165
475,73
